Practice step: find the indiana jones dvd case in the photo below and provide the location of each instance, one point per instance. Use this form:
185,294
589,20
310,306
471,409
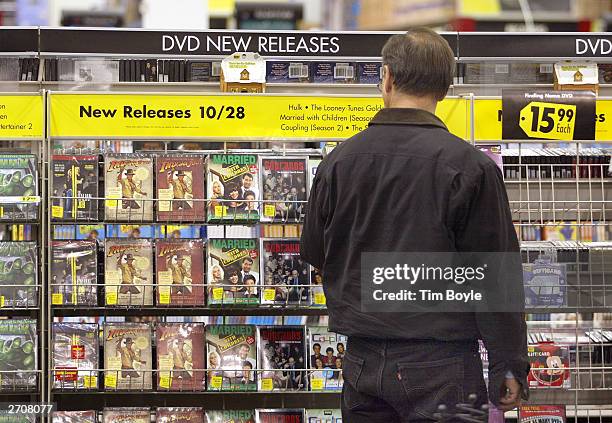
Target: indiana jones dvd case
128,188
180,272
128,359
128,272
180,188
180,415
180,356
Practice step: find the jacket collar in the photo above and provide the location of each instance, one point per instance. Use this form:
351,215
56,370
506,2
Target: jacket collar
406,116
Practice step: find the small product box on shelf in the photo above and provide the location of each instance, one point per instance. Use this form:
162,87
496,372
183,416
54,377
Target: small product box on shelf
18,187
126,414
550,365
282,358
18,355
275,415
128,359
180,415
180,188
128,187
75,187
283,184
286,72
180,356
286,276
369,72
75,356
327,350
180,272
128,272
333,72
18,274
230,416
74,273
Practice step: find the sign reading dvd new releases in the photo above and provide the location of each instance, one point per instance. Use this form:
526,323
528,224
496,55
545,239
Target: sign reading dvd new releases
551,115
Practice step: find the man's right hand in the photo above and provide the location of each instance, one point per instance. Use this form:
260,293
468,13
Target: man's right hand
510,395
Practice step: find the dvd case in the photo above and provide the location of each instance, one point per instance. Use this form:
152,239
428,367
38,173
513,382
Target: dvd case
232,187
7,416
126,415
180,415
283,182
75,187
542,414
230,416
231,352
327,351
18,274
134,231
74,273
549,366
127,356
128,188
180,272
282,358
128,272
286,276
180,356
317,294
545,283
279,415
180,188
85,416
18,355
18,187
74,355
319,415
233,271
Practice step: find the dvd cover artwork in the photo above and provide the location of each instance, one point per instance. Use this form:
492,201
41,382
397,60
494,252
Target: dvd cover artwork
317,294
284,184
230,416
75,355
280,415
85,416
286,274
9,417
74,270
233,271
319,415
494,153
18,355
231,352
233,188
180,356
18,274
127,356
128,187
545,283
184,231
282,352
75,187
542,414
327,350
134,231
180,415
128,272
180,188
549,366
18,179
126,415
180,272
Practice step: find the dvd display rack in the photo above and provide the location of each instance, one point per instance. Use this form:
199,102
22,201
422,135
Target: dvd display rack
320,89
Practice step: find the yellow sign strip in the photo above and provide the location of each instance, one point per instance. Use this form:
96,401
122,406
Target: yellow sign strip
21,116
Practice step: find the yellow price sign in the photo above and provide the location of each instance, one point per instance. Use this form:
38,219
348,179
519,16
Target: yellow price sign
216,382
110,380
267,385
550,121
319,298
90,381
111,297
57,211
165,381
316,384
1,301
164,295
57,298
269,210
218,294
220,211
269,294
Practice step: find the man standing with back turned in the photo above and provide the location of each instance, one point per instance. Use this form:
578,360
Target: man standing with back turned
405,184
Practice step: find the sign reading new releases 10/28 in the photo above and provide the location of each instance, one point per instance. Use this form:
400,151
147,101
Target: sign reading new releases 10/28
223,116
551,115
21,116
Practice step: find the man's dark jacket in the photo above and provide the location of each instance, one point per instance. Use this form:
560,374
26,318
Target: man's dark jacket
407,184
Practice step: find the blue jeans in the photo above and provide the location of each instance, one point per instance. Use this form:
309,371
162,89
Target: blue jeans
405,381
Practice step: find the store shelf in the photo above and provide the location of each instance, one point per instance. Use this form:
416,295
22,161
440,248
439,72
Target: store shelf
182,311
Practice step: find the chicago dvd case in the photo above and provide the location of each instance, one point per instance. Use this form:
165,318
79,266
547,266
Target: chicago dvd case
18,274
283,182
180,188
127,356
84,416
230,416
231,352
75,187
128,272
18,179
74,273
126,415
128,187
18,354
180,272
279,415
549,366
233,187
180,415
327,350
180,356
282,358
233,271
286,275
75,355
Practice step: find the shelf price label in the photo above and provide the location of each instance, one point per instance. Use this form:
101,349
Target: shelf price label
57,298
267,385
548,115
